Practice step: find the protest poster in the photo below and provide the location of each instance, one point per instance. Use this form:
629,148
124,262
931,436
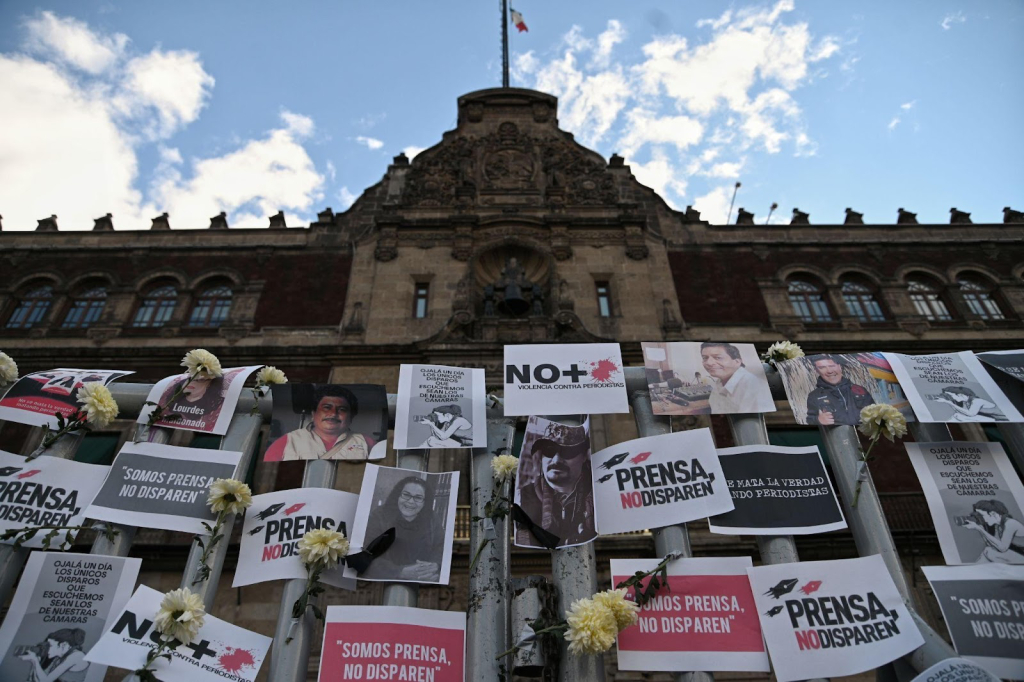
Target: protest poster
200,404
955,670
831,618
713,377
46,491
162,486
705,619
1006,367
328,421
833,389
564,378
975,499
392,643
440,407
951,387
221,651
983,607
421,509
777,491
276,522
658,481
36,398
554,484
63,605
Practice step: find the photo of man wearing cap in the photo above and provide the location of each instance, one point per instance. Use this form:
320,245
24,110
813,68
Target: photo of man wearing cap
554,485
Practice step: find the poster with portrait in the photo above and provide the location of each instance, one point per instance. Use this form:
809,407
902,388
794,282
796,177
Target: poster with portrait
951,387
347,422
276,522
201,404
46,491
554,483
36,398
1006,367
421,509
221,651
564,378
658,481
713,377
831,618
705,619
440,407
777,491
832,389
393,643
63,605
955,670
983,607
151,485
975,499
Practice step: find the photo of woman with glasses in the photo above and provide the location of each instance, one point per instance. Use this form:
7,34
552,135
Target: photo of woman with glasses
416,505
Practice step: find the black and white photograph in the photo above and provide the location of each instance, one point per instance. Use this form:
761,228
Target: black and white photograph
951,387
420,507
824,390
440,407
203,403
710,377
554,485
36,398
328,421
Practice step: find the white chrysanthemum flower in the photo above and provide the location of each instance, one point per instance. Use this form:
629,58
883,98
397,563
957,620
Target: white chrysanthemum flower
100,406
269,375
624,610
783,350
592,627
181,615
882,419
323,546
202,363
8,369
504,467
227,494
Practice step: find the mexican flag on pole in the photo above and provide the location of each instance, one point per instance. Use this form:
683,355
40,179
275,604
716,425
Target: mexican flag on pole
517,21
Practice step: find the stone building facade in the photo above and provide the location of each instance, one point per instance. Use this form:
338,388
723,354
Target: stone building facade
506,231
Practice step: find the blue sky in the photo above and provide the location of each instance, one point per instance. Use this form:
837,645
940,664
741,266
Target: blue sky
194,108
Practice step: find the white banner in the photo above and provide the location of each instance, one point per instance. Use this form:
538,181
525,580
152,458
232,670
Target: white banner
205,405
63,605
276,522
564,378
955,670
831,618
222,651
440,407
36,398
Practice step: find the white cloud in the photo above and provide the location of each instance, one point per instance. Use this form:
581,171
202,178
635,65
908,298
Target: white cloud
75,118
662,176
347,198
907,106
370,142
606,42
332,172
714,206
716,23
726,170
893,123
73,43
645,127
952,19
412,150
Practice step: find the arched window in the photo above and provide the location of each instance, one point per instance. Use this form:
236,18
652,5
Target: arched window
861,301
926,295
32,308
212,307
85,309
808,301
157,307
977,294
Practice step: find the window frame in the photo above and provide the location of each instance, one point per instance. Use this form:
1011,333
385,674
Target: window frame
85,308
31,307
215,307
803,304
603,289
928,298
420,299
161,307
862,301
980,297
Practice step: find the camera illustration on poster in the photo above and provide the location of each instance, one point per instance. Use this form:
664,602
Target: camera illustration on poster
440,407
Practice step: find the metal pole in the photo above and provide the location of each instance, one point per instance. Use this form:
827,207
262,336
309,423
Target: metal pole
242,436
12,558
406,594
289,661
504,43
669,538
490,580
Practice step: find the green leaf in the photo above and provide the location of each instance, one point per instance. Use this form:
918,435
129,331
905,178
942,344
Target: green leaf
317,613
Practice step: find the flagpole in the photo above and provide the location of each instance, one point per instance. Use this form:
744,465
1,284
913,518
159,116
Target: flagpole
504,43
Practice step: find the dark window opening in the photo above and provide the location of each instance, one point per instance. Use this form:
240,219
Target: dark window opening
604,299
419,305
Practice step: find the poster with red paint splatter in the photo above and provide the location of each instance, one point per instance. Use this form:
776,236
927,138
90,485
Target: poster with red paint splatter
36,398
831,618
392,643
221,651
564,378
705,619
658,481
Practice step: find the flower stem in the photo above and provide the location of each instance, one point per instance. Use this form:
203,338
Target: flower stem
476,556
557,627
203,570
863,458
